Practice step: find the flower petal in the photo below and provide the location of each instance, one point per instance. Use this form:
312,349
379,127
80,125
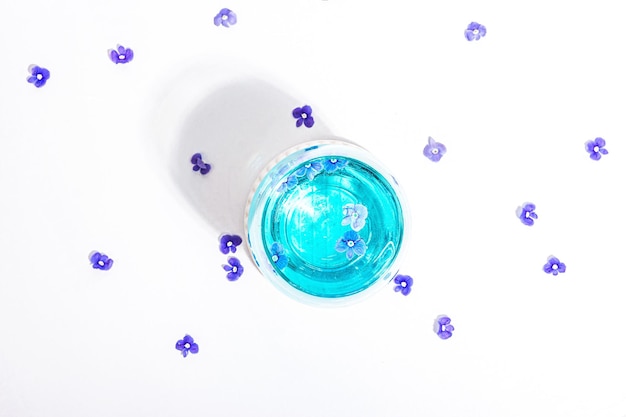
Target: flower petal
561,267
469,35
129,55
359,247
600,142
282,261
603,151
358,224
297,113
46,74
589,145
595,156
217,20
445,334
236,240
188,339
194,348
276,248
341,245
406,291
443,320
307,109
309,121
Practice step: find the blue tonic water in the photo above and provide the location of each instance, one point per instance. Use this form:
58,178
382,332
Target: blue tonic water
330,225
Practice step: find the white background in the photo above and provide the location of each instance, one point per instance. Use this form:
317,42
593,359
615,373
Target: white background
97,160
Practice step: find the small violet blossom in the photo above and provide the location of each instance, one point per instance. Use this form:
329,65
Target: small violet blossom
288,184
229,243
475,31
121,55
233,268
554,266
333,164
526,214
303,114
354,215
403,284
351,243
434,150
596,148
100,261
278,256
187,345
225,17
310,170
199,164
38,76
443,328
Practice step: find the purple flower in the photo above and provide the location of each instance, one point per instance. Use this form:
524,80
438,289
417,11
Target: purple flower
404,284
310,170
233,268
121,55
288,184
596,148
526,214
475,31
38,76
199,164
278,255
187,345
225,17
434,150
303,114
354,215
333,164
100,261
554,266
351,243
229,243
443,328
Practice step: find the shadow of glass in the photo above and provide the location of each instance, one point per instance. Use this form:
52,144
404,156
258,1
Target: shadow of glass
238,127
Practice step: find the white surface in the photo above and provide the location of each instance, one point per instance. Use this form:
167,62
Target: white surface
89,162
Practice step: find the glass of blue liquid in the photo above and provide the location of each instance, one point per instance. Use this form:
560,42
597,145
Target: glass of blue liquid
326,223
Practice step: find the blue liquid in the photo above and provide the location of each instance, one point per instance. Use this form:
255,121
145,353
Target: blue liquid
307,219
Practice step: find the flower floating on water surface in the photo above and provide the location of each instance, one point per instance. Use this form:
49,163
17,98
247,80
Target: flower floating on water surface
121,55
443,328
475,31
278,255
404,284
229,243
351,243
434,150
38,76
100,261
354,215
304,116
199,164
225,17
233,268
527,214
310,170
554,266
596,148
333,164
187,345
288,184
